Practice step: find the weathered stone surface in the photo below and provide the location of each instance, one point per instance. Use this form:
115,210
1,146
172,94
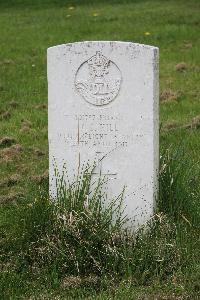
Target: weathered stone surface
103,107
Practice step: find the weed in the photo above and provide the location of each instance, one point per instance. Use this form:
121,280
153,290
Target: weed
78,237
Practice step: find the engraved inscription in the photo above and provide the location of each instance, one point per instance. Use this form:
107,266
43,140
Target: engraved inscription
102,130
98,80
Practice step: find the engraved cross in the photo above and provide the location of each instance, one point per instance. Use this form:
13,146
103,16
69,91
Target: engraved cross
98,170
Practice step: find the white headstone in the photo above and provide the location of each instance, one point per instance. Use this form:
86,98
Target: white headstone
103,107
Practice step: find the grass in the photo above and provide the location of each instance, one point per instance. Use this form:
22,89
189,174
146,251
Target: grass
77,247
27,29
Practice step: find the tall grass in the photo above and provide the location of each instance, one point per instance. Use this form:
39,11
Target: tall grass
179,184
79,237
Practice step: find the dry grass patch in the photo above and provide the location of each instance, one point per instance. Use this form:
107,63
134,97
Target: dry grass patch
13,152
11,180
181,67
39,152
71,282
170,96
5,115
25,126
7,141
26,123
187,45
171,125
194,124
41,178
7,62
25,129
41,106
11,198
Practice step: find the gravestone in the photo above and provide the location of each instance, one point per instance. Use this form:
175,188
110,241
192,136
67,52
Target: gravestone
103,107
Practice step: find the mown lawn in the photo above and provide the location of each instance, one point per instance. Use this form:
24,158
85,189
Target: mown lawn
27,29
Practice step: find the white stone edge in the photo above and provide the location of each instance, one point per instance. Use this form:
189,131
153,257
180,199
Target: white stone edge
156,126
103,42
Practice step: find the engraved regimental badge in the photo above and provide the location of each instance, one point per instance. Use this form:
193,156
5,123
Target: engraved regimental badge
98,80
